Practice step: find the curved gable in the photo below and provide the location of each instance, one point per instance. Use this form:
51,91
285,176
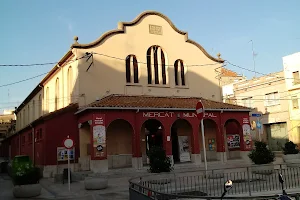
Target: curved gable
122,26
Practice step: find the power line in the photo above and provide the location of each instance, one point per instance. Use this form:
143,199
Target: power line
13,83
27,65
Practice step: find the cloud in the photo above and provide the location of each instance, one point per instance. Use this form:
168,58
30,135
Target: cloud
67,22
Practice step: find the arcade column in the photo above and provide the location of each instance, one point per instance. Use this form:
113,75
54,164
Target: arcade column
137,160
99,162
221,146
167,143
195,154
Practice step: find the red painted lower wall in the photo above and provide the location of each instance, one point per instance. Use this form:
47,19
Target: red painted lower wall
48,135
57,129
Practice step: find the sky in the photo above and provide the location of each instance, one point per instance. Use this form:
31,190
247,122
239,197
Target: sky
37,31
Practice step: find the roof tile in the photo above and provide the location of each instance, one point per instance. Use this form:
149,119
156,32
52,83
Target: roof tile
126,101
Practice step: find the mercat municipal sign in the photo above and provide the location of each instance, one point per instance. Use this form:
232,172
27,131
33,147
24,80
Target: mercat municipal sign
173,114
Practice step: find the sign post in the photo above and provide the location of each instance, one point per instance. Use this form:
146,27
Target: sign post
69,143
258,123
200,116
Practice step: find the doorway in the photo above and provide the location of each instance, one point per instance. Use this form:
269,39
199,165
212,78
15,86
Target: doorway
181,135
151,135
175,145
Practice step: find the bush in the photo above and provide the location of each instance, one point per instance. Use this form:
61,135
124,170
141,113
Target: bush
261,154
26,176
159,162
290,148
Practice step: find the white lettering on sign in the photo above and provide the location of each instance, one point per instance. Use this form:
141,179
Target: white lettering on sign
158,114
99,120
209,115
172,114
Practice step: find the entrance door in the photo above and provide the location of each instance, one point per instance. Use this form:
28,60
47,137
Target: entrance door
175,145
277,136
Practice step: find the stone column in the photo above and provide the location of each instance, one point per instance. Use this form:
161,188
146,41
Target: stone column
195,156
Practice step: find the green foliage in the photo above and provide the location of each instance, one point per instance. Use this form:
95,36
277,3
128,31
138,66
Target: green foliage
26,176
23,172
261,154
290,148
159,162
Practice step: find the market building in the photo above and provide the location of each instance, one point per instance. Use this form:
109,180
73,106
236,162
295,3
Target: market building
132,88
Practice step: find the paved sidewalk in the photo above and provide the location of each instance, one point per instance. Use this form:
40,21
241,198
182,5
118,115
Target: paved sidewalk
117,183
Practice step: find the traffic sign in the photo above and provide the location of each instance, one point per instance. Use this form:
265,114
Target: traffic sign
68,143
200,110
200,116
258,125
256,115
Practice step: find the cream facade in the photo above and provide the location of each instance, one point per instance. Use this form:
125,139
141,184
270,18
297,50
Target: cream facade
266,95
57,90
148,56
291,64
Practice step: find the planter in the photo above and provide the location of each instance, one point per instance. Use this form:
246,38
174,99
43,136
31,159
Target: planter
292,160
289,157
95,183
262,169
27,191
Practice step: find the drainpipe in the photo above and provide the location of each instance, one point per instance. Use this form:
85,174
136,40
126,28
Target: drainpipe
19,144
33,144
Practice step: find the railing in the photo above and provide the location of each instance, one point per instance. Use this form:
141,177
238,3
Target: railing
248,183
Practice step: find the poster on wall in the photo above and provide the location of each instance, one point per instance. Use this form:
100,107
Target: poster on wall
184,147
233,141
62,154
99,135
211,145
247,135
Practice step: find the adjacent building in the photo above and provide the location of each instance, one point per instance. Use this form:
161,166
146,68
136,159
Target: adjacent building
266,96
132,88
291,64
7,128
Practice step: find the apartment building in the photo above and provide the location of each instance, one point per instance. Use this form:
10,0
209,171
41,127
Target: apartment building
291,64
266,95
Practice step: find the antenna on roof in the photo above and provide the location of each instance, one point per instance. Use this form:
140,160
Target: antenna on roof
253,57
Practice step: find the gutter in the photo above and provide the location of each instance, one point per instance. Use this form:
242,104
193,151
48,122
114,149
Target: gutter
166,109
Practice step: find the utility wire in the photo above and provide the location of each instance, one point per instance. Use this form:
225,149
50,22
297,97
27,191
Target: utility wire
13,83
114,57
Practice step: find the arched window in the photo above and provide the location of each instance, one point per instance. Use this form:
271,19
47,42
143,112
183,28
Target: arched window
132,69
156,65
40,105
70,83
56,93
47,99
179,73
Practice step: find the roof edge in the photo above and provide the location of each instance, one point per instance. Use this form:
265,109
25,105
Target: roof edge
39,87
146,108
122,26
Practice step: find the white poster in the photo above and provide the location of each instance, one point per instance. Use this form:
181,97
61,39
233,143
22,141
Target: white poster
184,148
99,136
